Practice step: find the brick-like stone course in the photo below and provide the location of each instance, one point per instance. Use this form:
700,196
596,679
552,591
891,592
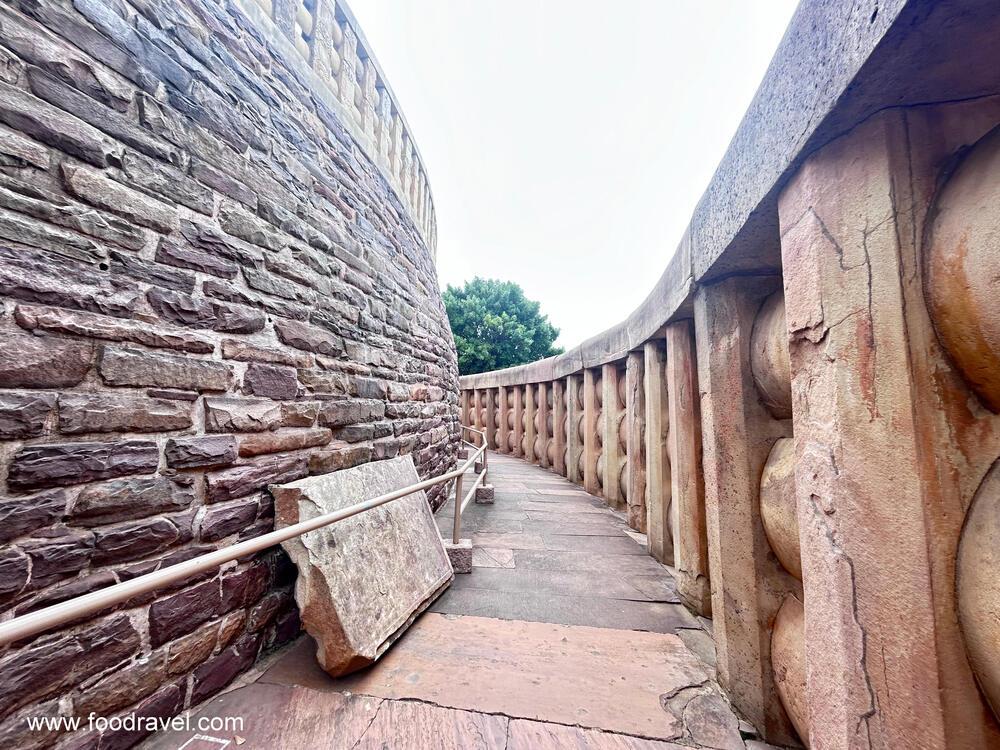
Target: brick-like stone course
206,286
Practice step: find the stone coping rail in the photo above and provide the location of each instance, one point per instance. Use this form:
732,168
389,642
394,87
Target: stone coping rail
348,78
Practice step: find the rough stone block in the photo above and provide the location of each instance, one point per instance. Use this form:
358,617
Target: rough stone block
348,412
222,520
308,338
363,580
54,662
184,611
459,555
484,494
76,463
185,310
38,317
122,366
278,442
43,361
100,412
133,540
240,481
342,456
193,452
271,381
127,499
23,415
22,515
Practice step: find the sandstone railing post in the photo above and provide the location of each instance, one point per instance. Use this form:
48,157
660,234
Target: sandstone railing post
686,482
591,427
530,411
574,429
611,414
635,436
559,425
661,543
463,410
748,586
519,421
543,425
491,418
504,439
477,416
890,443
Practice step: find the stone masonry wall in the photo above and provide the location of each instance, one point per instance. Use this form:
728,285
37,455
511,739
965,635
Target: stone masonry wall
207,287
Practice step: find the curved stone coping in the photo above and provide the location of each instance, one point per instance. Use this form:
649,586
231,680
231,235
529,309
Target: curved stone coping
838,63
341,69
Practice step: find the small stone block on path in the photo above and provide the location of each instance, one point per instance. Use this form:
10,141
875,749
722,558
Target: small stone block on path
460,555
484,494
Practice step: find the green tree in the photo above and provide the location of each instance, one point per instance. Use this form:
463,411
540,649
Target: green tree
496,326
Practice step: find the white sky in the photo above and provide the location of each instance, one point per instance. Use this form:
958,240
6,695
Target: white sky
567,143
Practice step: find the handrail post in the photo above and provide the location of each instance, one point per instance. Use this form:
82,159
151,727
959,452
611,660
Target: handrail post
457,528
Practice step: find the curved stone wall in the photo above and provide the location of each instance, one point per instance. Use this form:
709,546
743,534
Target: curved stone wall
216,273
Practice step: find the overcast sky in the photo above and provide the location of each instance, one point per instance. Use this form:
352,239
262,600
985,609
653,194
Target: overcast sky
567,143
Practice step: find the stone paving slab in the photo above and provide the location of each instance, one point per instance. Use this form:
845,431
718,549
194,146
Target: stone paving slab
606,585
624,614
279,716
522,670
284,716
492,557
535,735
589,562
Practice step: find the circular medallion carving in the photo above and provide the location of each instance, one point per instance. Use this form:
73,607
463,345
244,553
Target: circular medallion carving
978,585
777,506
769,357
788,661
963,268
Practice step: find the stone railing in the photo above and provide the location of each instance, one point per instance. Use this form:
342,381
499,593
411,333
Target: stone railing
348,78
804,414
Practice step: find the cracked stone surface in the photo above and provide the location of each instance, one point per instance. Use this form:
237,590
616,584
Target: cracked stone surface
362,581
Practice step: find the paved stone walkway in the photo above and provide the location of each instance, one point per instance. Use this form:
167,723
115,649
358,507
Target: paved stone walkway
566,634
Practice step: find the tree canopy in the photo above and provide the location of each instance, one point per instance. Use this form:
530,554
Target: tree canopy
496,326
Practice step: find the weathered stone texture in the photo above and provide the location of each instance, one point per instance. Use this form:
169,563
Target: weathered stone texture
195,258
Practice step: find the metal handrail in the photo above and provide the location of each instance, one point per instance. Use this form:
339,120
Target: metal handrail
72,609
460,500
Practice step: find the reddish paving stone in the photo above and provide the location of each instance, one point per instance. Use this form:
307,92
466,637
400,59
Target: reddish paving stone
521,669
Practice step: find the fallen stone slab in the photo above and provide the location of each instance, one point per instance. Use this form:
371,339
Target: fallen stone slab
363,580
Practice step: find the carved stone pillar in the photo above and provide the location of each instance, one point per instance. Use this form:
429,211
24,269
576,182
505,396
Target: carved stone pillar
748,585
530,407
491,418
463,410
635,436
505,431
610,416
661,543
591,447
519,421
889,249
574,429
542,440
686,482
477,415
559,426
